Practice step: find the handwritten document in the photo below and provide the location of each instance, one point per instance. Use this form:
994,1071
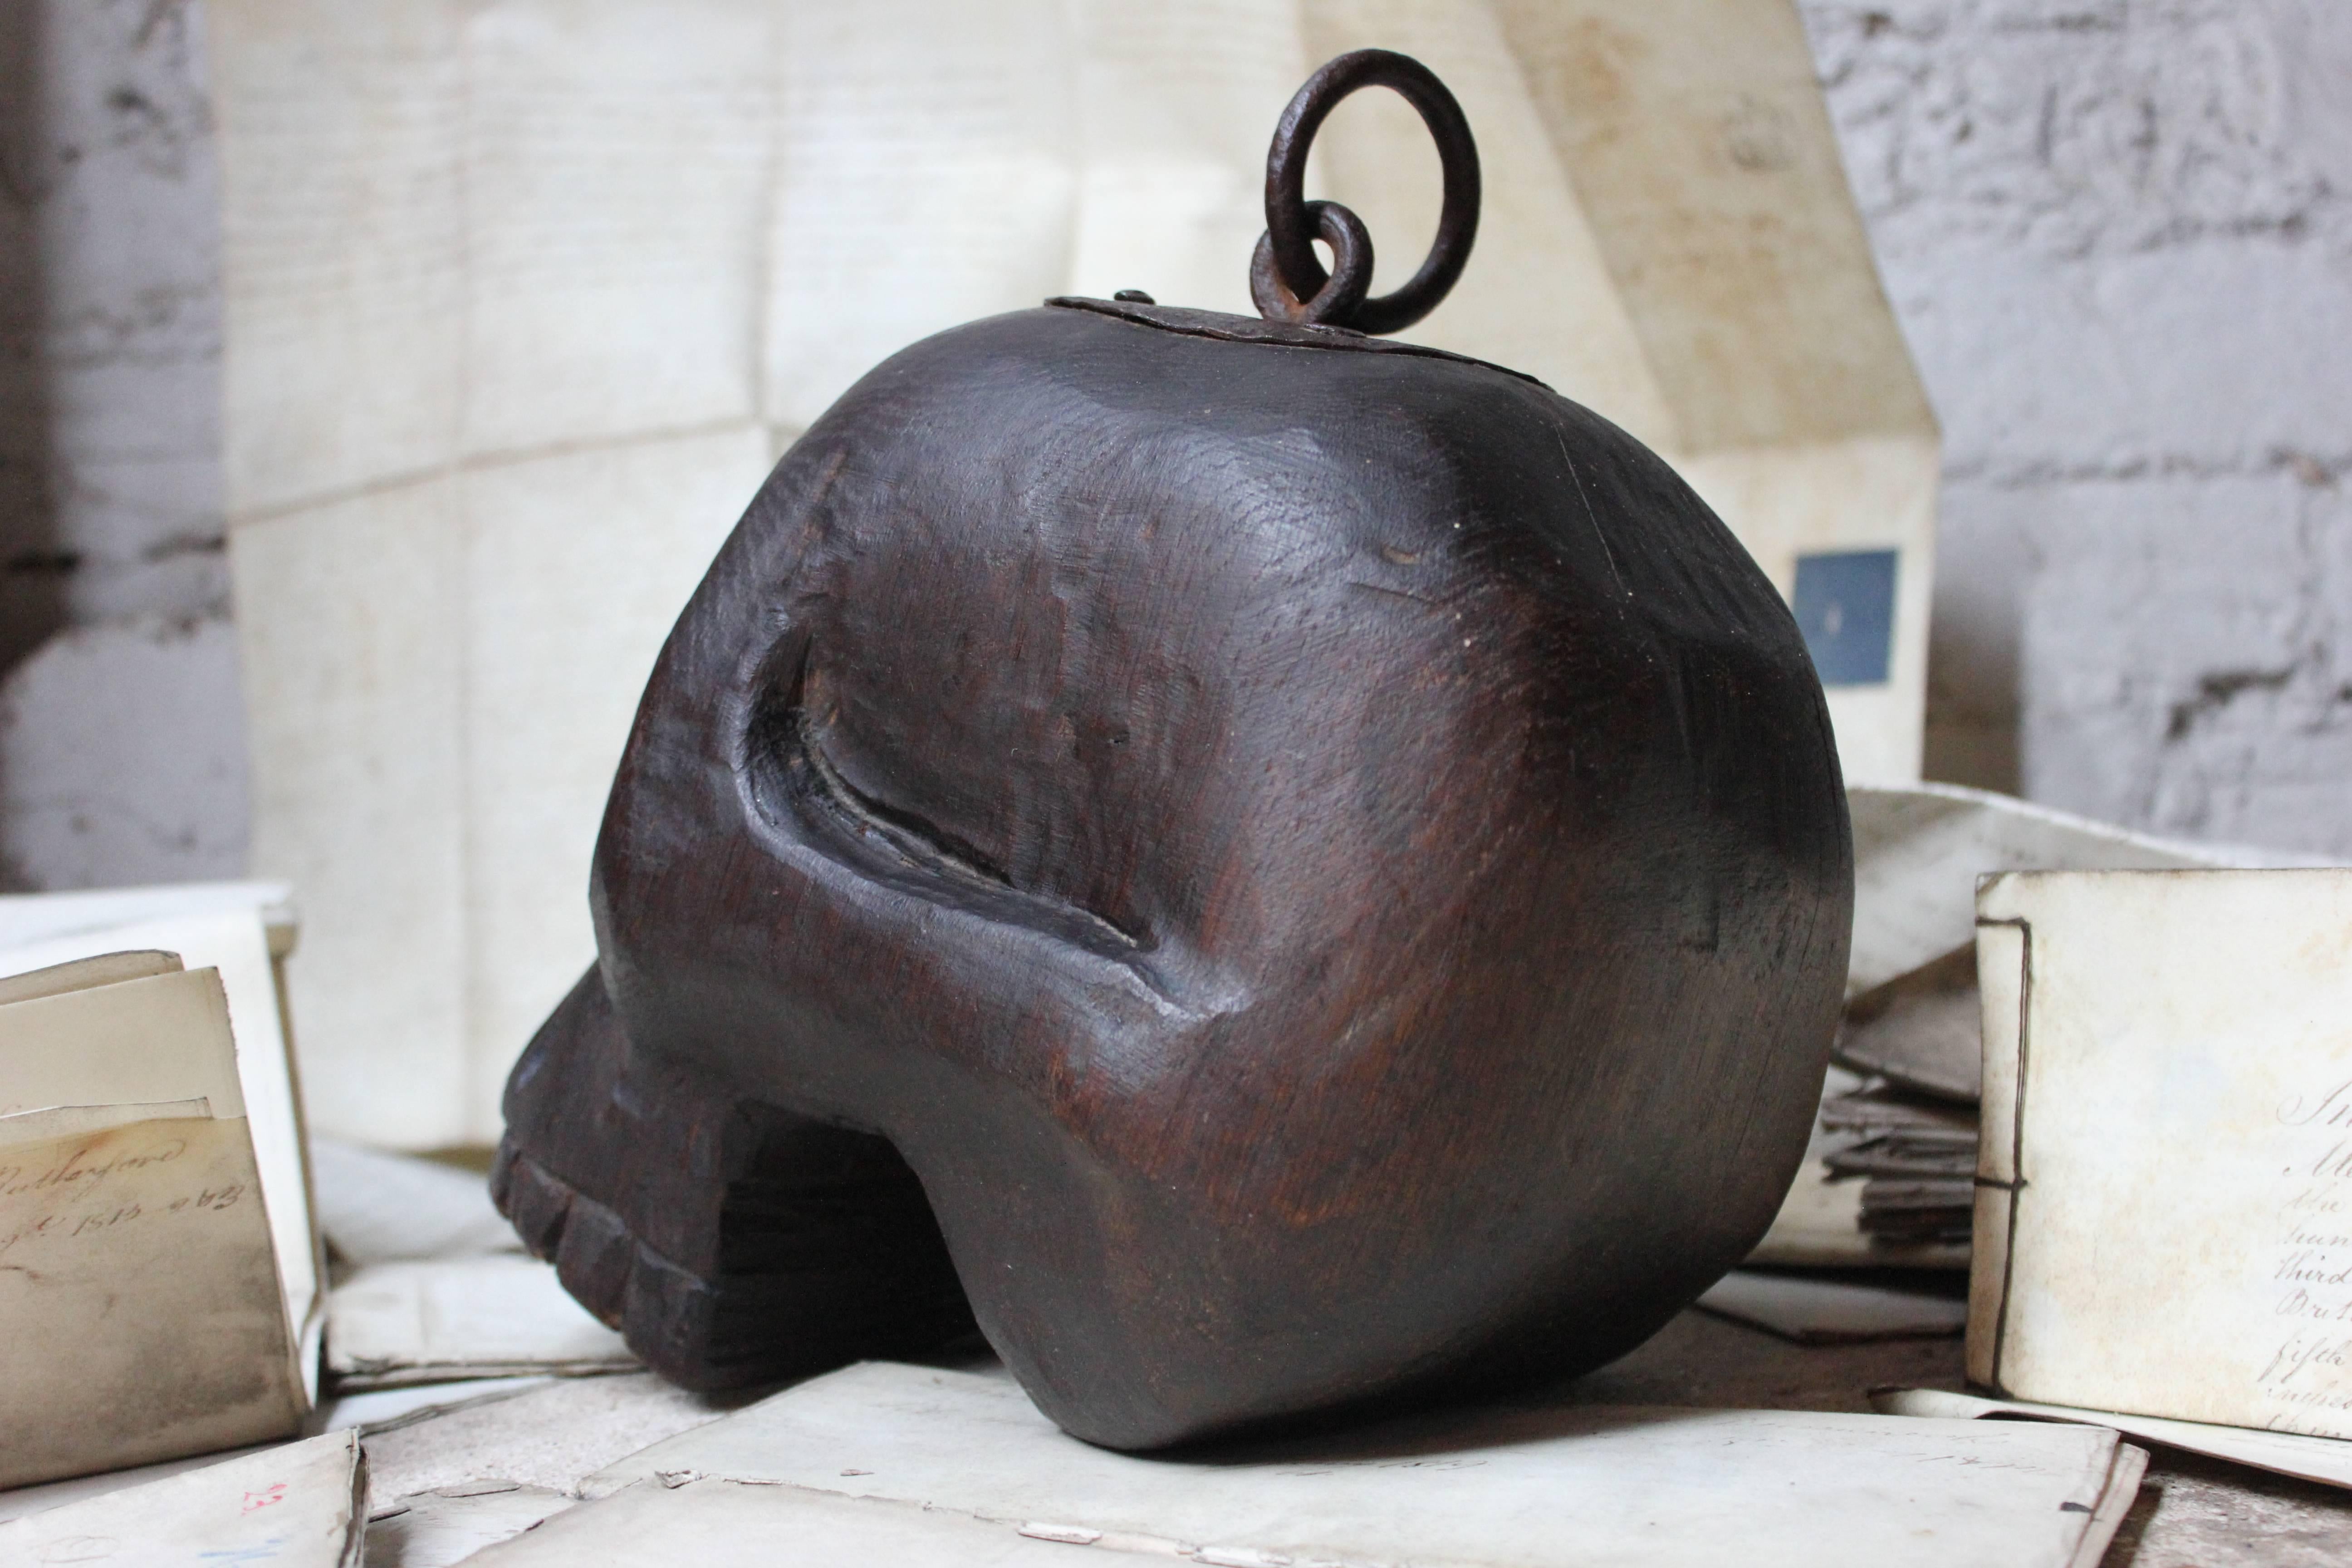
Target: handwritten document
143,1313
139,1312
2309,1369
2181,1243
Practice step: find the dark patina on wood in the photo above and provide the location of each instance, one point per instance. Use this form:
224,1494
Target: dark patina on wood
1273,869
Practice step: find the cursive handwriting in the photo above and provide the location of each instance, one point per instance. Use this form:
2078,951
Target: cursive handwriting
79,1169
2308,1265
2307,1383
2334,1110
69,1225
2297,1303
2299,1356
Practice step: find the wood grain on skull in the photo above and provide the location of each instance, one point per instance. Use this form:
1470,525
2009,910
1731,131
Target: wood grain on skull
1326,859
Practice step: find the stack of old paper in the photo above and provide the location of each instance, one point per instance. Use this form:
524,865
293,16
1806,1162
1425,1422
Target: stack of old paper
431,1283
2176,1263
1908,1133
158,1271
161,1269
299,1505
916,1466
1888,1179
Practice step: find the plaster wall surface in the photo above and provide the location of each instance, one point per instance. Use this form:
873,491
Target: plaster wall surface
2116,235
121,743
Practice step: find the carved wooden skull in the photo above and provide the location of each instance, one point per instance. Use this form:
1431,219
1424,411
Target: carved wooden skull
1285,870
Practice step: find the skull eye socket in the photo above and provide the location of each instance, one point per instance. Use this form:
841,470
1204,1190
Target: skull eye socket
797,793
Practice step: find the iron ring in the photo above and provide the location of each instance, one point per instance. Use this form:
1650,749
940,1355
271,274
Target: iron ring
1341,297
1290,228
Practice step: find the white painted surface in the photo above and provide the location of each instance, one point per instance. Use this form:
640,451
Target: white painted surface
121,750
109,319
122,757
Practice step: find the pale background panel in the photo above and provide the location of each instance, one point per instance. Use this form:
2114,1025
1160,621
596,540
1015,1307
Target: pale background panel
355,682
576,565
2119,238
925,174
1865,492
1669,239
1697,138
343,264
616,159
1172,145
1538,295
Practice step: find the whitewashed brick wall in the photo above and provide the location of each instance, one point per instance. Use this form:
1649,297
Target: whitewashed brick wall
2119,238
121,743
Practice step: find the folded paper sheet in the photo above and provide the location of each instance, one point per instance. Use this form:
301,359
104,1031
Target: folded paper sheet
141,1316
393,1324
714,1523
296,1506
1821,1221
2164,1193
244,931
2327,1460
375,1206
1919,851
963,1468
1829,1313
452,1524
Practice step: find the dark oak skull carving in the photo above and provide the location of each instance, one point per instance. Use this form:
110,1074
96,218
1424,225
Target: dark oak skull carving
1272,869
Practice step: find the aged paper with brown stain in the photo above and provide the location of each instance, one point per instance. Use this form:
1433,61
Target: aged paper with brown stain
243,931
141,1316
2164,1213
